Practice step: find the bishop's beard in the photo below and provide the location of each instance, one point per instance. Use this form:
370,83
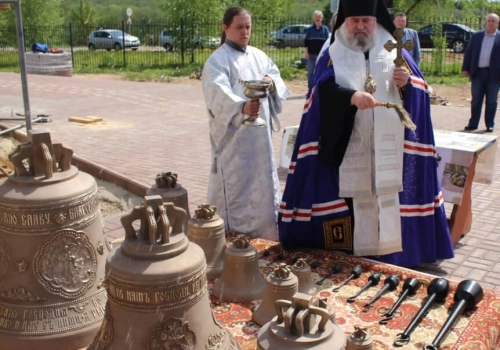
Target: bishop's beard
355,42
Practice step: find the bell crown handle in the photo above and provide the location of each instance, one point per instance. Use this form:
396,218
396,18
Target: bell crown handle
158,221
44,157
205,212
241,242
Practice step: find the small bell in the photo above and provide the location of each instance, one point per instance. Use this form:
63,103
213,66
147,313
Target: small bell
241,279
303,325
206,229
302,270
359,340
281,284
170,190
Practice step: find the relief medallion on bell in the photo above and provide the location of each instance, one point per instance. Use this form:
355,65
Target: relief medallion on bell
173,333
66,263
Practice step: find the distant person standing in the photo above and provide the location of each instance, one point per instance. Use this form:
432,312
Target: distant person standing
327,43
410,34
316,35
482,65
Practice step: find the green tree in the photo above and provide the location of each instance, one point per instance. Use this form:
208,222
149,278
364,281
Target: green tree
264,9
37,14
194,11
85,14
41,13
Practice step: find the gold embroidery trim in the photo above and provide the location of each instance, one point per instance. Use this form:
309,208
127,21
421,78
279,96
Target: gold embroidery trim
338,233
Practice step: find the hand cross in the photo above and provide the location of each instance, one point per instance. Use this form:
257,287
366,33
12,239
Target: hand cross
399,45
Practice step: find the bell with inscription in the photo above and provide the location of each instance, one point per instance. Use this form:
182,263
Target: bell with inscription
281,284
52,250
241,279
301,324
170,190
157,287
206,229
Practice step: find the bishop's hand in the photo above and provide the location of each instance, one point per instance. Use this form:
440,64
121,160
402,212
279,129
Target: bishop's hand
363,100
401,76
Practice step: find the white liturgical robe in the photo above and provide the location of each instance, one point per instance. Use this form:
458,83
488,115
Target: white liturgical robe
243,182
372,169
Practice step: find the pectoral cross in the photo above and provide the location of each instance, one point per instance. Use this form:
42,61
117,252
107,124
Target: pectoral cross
399,45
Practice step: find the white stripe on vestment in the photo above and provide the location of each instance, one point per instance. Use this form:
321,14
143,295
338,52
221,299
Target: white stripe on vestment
419,83
422,209
439,200
307,149
419,149
319,209
308,102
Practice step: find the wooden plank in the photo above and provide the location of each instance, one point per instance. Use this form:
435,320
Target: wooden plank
85,120
6,166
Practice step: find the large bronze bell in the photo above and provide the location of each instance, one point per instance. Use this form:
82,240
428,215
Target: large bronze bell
281,284
157,287
206,229
52,251
241,279
170,190
304,325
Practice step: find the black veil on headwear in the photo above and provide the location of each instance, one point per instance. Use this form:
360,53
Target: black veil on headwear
350,8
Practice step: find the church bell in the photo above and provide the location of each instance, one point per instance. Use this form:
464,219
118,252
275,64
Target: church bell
302,270
157,287
241,279
170,190
206,229
281,284
301,324
52,250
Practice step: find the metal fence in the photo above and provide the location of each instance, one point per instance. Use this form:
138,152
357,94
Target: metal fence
191,44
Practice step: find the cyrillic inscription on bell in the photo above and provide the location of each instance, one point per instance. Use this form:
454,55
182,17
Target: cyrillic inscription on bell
52,254
170,190
206,229
157,287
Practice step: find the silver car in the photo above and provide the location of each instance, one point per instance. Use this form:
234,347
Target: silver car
112,39
290,36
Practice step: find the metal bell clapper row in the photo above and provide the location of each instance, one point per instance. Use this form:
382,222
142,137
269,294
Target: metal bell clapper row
468,294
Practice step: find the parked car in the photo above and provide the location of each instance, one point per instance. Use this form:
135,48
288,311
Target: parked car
290,36
457,35
170,40
112,39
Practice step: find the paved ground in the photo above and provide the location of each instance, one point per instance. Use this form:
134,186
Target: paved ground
155,127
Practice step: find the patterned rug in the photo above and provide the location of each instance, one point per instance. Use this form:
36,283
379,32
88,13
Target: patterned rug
475,330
